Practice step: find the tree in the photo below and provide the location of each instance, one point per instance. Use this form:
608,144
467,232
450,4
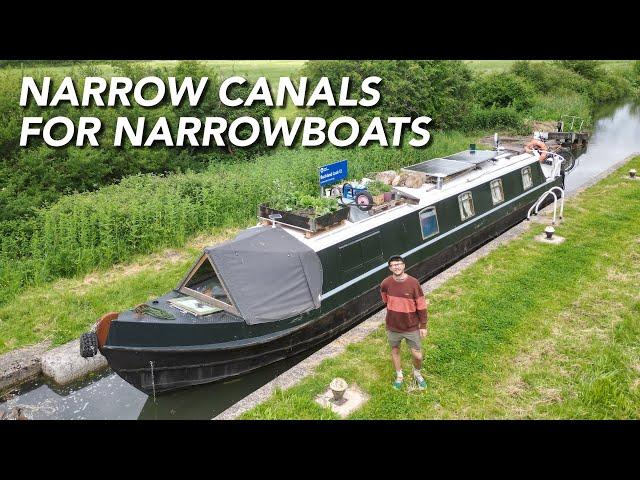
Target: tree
409,88
503,90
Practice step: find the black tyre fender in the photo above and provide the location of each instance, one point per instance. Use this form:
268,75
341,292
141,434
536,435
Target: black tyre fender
364,201
570,160
88,344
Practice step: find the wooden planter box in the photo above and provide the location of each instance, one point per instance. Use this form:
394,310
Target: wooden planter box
382,198
378,199
302,221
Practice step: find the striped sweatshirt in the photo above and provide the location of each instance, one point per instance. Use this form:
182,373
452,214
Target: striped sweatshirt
406,306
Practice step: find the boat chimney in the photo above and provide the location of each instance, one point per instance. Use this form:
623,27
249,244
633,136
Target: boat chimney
439,183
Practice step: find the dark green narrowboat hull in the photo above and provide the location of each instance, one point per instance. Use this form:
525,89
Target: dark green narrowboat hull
169,361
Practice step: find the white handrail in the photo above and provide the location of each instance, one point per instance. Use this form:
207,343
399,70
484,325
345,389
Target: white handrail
536,206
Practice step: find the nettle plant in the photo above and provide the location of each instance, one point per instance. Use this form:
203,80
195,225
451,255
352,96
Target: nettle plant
377,187
287,198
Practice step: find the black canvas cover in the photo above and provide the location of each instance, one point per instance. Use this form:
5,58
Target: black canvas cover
269,274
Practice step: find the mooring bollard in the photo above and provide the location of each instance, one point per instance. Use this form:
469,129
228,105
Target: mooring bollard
338,386
549,231
632,173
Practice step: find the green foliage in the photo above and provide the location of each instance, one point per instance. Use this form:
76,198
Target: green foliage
610,88
589,69
552,106
37,175
586,78
211,106
285,198
411,88
495,118
503,90
377,187
548,76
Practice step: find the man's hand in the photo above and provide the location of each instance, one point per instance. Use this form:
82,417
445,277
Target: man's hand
423,332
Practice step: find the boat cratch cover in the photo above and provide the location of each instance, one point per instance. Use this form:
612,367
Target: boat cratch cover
267,273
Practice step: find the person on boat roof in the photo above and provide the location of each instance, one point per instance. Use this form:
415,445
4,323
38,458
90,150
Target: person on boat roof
406,317
537,145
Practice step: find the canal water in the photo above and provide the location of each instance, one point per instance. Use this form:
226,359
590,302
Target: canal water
616,135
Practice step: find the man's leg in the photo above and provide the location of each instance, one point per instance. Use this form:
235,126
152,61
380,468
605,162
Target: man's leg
395,357
416,356
413,340
394,343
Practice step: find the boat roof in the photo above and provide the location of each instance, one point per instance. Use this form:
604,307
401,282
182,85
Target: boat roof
486,166
453,164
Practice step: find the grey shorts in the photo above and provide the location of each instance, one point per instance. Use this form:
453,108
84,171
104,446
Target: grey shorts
412,338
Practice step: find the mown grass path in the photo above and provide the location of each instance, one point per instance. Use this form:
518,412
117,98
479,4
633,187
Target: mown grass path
531,331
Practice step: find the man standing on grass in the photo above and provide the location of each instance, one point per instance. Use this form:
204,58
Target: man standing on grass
406,317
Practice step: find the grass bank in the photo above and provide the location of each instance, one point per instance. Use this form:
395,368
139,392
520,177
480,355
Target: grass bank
60,311
530,331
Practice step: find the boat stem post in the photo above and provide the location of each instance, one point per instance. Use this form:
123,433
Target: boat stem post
153,381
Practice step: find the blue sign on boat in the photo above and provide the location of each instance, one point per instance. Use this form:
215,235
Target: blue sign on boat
333,172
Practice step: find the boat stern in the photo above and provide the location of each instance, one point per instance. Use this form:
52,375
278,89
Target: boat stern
93,341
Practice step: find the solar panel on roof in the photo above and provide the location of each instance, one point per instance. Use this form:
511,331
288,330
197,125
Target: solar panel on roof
441,167
473,156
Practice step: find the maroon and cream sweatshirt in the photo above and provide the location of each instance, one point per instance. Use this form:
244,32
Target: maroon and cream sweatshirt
406,306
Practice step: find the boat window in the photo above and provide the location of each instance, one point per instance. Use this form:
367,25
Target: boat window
497,194
527,182
371,247
465,200
361,253
350,256
204,281
429,222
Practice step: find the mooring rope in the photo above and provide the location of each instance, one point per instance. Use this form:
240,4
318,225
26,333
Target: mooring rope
144,309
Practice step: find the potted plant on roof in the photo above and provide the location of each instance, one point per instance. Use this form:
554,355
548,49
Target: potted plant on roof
301,210
380,191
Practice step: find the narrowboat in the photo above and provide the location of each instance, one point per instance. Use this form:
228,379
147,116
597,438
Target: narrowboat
275,291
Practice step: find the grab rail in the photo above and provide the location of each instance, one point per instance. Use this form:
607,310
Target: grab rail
542,197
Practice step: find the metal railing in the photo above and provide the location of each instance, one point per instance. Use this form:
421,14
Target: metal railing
536,206
573,121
